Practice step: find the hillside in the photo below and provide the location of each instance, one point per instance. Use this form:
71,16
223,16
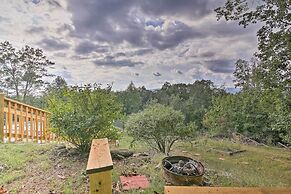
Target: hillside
50,168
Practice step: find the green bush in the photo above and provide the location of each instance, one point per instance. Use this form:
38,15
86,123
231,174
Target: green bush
83,114
159,126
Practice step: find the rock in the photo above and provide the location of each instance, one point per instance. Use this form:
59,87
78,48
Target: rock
60,147
62,152
73,152
157,167
121,153
144,154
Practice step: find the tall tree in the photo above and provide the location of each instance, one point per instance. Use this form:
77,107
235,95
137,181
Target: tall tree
245,74
274,36
131,99
22,71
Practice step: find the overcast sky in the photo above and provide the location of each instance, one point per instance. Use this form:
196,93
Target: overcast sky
148,42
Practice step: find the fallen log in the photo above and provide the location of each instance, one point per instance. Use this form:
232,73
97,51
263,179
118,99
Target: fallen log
284,146
121,154
230,153
236,152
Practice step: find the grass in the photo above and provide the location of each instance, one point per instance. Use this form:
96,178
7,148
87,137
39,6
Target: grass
33,168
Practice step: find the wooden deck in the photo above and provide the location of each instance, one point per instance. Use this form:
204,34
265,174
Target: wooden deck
226,190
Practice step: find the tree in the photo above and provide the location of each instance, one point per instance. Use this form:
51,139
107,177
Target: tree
245,74
22,71
274,36
85,113
261,115
193,100
159,126
133,98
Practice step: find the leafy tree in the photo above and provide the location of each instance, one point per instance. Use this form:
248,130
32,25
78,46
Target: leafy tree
263,116
59,83
159,126
192,100
22,71
245,74
131,99
274,36
85,113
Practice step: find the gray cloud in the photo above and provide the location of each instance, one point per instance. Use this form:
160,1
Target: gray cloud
34,29
65,27
189,8
176,33
180,72
87,47
207,54
53,43
178,39
60,54
109,61
4,19
220,65
120,54
118,21
141,52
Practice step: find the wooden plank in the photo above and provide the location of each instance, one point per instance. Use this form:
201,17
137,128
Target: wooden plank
19,135
2,105
9,121
26,123
99,158
40,123
101,182
36,125
19,113
226,190
31,124
15,120
21,123
20,103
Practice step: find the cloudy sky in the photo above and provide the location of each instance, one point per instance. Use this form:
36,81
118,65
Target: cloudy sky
118,41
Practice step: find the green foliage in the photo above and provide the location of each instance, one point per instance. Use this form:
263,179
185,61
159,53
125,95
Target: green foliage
83,114
263,109
193,100
134,99
22,71
274,36
263,116
159,126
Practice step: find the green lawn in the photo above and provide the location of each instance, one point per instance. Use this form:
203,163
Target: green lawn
34,168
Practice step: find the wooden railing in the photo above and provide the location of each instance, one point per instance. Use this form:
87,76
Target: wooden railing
22,122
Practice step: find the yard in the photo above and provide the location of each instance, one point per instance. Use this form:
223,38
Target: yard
51,168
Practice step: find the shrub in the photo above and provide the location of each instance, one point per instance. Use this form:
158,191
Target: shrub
83,114
159,126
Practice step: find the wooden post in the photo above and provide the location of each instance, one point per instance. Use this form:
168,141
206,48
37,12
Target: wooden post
36,125
26,123
99,167
15,123
9,121
2,117
21,122
40,124
44,127
31,125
